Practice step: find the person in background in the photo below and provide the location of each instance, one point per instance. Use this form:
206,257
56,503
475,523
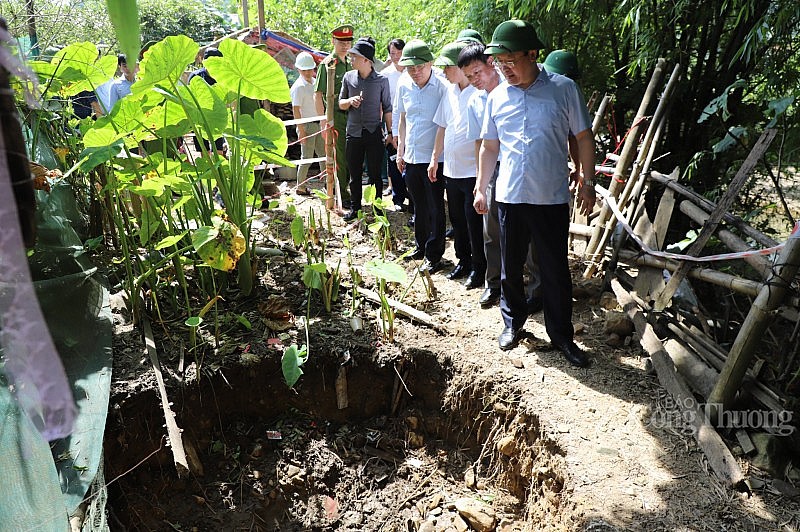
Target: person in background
565,63
527,121
459,169
469,36
121,86
397,181
341,38
302,92
418,98
366,96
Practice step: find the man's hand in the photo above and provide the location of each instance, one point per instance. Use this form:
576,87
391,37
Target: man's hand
480,202
586,198
355,101
574,180
301,132
432,168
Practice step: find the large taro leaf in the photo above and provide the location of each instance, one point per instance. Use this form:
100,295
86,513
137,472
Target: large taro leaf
209,107
248,72
166,120
265,135
149,222
92,157
76,68
219,246
124,121
164,62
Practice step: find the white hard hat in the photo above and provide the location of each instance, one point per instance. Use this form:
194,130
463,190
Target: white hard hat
304,61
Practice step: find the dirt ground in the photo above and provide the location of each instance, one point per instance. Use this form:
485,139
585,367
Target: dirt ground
475,438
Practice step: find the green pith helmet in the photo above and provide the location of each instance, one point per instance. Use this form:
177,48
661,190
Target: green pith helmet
416,52
469,35
563,62
448,56
513,36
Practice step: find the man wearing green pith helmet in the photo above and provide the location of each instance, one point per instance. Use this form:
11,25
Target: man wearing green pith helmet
527,122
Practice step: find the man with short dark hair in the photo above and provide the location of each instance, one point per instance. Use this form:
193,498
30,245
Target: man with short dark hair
527,122
121,86
418,97
397,183
365,95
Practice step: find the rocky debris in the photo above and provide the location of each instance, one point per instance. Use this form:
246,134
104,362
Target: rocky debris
479,515
506,445
608,301
618,323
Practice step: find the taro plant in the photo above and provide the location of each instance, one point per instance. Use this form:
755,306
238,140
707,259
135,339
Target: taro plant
386,272
379,227
317,275
164,204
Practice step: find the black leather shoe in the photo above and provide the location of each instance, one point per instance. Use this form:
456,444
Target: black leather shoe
449,233
509,338
535,305
490,297
461,270
417,255
474,280
432,266
574,354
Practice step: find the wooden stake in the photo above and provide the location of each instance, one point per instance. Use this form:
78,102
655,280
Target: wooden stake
404,310
719,457
330,141
341,388
663,298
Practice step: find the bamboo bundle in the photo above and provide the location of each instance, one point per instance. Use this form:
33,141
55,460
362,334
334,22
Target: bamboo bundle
330,146
633,157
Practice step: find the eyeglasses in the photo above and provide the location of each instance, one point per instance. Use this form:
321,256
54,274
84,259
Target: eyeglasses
415,68
510,63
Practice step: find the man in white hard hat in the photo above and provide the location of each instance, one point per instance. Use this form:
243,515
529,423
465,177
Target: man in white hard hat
311,142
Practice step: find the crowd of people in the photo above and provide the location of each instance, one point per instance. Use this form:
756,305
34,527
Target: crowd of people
491,128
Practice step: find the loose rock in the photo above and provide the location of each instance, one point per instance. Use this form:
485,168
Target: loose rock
479,515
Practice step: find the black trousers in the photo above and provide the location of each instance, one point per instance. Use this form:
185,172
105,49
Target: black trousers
370,146
429,221
548,227
467,223
398,180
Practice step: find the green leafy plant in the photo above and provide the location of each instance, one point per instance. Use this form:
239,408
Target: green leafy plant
293,358
386,272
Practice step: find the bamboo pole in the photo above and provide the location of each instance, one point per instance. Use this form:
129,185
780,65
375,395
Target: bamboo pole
626,158
719,457
709,206
733,242
245,14
636,179
330,140
756,322
709,275
665,296
601,112
261,18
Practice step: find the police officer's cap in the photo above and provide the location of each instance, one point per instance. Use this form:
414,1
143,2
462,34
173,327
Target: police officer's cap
563,62
343,32
513,36
448,56
416,52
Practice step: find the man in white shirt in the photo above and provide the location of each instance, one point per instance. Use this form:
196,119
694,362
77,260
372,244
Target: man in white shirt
460,169
418,97
302,92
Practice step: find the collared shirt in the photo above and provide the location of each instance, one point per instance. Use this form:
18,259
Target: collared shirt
321,85
374,89
459,151
302,93
419,106
391,73
476,109
118,90
532,126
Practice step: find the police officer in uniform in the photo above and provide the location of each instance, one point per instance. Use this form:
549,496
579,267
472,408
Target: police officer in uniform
342,39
